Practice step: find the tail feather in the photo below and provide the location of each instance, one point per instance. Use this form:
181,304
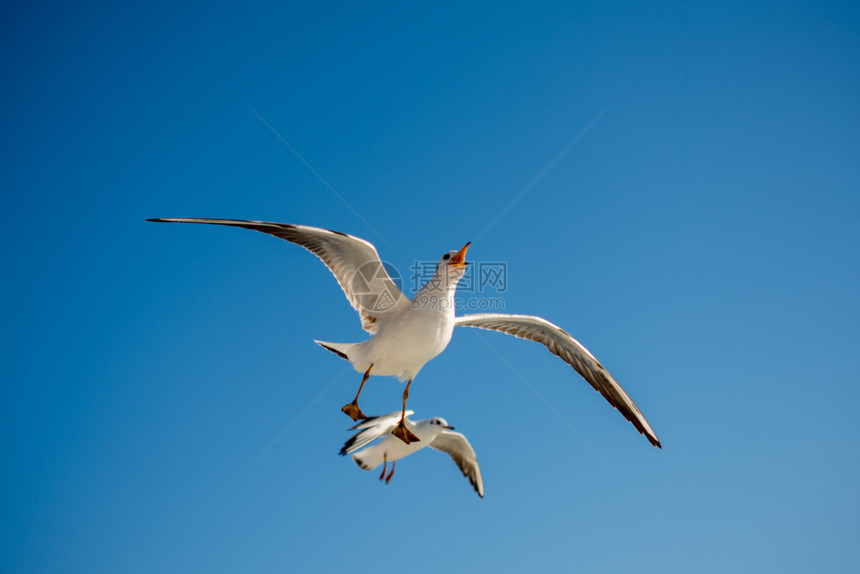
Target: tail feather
358,460
340,349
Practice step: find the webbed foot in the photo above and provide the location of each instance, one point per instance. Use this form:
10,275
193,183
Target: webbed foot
353,412
404,434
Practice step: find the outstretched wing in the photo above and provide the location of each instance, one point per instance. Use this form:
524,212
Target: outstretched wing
560,343
353,261
371,429
459,449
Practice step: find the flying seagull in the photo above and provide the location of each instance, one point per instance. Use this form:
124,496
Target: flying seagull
435,433
406,334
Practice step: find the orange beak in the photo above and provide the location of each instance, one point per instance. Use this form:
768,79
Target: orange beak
459,259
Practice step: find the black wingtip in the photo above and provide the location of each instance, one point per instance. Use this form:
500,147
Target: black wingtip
347,445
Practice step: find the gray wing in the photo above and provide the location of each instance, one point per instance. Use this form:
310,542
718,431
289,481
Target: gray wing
459,449
571,351
353,261
371,429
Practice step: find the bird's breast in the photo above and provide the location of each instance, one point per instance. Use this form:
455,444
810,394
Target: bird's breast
406,343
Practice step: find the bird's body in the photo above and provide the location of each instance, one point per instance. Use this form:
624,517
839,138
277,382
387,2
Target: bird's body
408,333
434,433
390,448
410,337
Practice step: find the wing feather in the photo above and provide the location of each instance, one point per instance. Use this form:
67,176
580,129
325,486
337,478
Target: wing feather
371,429
353,261
561,344
459,449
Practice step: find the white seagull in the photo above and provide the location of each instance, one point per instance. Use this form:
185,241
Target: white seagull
435,433
407,334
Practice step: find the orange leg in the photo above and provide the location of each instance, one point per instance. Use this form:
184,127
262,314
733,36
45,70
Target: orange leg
384,465
390,474
400,431
352,409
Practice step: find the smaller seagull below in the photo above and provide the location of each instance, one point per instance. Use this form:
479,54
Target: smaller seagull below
435,433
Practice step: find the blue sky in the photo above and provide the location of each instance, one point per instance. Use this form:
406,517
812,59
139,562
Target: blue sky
700,239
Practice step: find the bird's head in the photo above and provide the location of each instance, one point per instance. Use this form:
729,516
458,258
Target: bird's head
439,423
454,263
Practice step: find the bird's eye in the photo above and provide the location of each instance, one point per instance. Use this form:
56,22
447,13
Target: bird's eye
446,257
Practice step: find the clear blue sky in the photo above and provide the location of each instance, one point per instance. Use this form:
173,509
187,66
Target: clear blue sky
701,239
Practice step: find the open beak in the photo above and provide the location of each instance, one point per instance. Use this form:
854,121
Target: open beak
459,259
449,428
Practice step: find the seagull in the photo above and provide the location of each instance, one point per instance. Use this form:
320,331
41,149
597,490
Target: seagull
435,433
406,333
